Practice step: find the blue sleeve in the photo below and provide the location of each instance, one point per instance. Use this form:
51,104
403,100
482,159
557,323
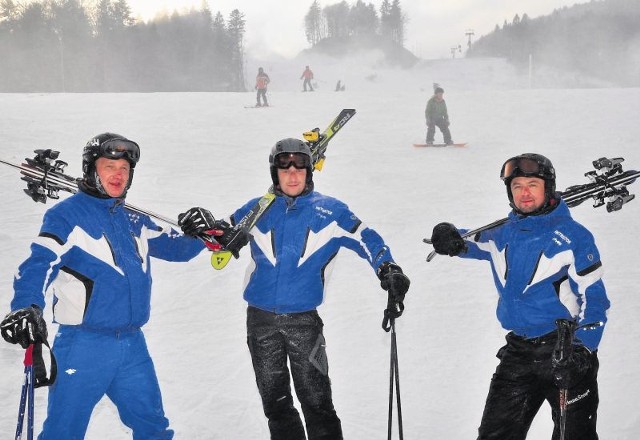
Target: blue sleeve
479,250
242,211
169,245
48,253
586,281
366,242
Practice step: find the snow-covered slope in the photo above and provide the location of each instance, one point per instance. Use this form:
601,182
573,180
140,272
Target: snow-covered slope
207,149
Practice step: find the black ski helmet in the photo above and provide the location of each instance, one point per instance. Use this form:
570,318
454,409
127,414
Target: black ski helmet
110,146
290,146
530,165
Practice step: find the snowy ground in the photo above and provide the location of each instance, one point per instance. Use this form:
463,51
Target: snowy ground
207,149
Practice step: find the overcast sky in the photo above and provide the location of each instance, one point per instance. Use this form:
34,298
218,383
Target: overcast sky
433,27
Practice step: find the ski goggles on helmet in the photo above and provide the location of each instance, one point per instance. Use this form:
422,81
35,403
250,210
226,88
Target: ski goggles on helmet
299,161
120,149
524,167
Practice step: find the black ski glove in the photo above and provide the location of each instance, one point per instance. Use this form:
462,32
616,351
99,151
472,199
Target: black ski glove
393,280
569,362
196,221
24,326
573,368
447,240
232,239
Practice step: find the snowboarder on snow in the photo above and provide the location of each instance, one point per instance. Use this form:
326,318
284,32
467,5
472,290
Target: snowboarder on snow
437,116
95,255
262,81
292,246
308,76
546,267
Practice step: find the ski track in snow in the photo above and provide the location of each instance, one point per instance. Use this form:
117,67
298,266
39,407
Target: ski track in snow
206,149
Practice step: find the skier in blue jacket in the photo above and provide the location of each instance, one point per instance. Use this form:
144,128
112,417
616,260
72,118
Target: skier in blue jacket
95,256
546,267
293,247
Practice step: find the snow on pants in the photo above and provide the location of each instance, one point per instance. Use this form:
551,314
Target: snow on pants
94,363
523,381
274,338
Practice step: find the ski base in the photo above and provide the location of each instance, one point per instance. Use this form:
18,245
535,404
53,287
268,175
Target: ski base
258,106
464,144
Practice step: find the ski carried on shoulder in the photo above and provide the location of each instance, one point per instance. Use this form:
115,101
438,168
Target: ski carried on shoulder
608,187
318,143
45,178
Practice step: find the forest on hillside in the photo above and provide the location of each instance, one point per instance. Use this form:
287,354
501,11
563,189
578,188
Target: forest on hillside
340,29
600,38
65,46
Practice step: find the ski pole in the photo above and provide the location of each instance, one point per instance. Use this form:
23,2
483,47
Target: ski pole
394,309
563,412
561,354
26,397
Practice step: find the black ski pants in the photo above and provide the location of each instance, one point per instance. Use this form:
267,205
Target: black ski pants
275,338
523,381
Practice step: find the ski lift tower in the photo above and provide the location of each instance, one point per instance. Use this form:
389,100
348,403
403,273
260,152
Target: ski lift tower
469,33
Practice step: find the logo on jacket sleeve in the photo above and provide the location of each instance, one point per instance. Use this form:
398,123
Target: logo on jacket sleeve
560,236
323,212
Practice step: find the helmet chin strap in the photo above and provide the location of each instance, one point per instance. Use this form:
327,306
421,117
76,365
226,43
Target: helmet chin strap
99,186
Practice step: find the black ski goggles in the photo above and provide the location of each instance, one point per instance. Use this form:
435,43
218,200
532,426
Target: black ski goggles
299,161
120,149
521,166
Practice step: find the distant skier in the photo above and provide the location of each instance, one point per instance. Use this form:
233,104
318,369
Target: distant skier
437,116
262,81
308,76
293,247
339,86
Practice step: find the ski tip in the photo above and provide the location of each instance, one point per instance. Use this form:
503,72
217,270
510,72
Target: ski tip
220,259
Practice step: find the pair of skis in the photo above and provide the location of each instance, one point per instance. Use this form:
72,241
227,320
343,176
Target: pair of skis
608,187
318,143
45,178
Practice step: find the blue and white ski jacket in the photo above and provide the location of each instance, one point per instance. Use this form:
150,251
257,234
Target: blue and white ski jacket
545,268
95,256
294,245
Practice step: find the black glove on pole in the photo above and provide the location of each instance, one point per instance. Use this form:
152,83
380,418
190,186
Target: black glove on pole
569,362
24,326
447,240
233,238
397,284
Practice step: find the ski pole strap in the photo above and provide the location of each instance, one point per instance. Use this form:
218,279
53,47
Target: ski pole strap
394,310
39,367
